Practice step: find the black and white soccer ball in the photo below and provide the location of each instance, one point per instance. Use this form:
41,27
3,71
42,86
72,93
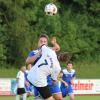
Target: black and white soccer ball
50,9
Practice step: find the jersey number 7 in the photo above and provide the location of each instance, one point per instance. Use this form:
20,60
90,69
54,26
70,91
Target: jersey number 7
45,63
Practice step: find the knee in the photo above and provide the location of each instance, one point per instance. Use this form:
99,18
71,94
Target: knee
72,98
59,98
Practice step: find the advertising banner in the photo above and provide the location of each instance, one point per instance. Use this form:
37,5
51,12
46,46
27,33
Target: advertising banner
80,86
86,86
5,86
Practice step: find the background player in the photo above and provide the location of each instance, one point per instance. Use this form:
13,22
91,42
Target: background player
21,84
68,75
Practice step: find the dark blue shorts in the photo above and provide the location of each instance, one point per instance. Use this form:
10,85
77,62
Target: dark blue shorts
55,88
66,90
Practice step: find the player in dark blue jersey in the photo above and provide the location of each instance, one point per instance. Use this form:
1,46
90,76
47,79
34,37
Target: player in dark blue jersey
68,74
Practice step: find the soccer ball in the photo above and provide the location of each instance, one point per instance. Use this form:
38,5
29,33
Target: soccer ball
50,9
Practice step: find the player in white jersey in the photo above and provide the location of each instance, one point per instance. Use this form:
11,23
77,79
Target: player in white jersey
34,58
46,65
21,84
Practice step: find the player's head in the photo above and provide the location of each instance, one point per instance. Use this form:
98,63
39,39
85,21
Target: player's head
22,68
29,66
69,65
43,39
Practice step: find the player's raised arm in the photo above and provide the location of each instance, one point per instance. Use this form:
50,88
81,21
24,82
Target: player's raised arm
56,46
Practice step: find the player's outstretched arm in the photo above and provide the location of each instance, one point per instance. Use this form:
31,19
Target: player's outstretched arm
31,60
60,79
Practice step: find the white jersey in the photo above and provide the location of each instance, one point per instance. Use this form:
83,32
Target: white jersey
21,79
46,65
27,71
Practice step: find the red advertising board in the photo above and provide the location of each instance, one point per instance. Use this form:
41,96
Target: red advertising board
80,86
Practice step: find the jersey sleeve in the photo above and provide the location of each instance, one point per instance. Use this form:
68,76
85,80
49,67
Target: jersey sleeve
55,73
63,71
31,54
18,75
74,74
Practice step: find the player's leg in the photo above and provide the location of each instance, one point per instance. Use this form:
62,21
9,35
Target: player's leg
36,94
23,96
17,97
45,92
64,90
18,94
71,96
56,92
29,90
70,92
22,93
57,96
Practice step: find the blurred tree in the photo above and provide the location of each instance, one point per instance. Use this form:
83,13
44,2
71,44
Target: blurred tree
76,26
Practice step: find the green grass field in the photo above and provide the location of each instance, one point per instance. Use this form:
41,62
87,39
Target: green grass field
67,98
8,73
84,70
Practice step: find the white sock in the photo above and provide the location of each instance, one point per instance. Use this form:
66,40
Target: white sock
17,97
23,97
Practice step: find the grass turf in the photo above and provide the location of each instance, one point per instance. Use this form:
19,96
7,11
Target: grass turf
8,72
87,70
67,98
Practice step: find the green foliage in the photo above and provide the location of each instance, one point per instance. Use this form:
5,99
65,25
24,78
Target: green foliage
76,26
2,46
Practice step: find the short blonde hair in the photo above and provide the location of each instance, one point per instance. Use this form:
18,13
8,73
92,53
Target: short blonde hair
44,35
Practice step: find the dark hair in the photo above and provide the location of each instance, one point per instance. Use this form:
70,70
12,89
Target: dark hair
44,35
21,67
69,62
64,57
